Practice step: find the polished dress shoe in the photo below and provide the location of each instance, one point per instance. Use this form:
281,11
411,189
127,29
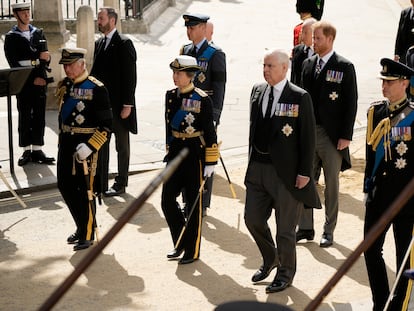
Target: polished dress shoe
175,253
307,234
25,158
277,286
116,189
38,156
73,238
184,260
263,273
82,244
326,240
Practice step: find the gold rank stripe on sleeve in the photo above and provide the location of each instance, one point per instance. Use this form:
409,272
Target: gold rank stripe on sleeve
212,154
98,139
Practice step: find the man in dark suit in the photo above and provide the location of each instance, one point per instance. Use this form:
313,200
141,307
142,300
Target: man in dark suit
279,173
331,81
115,65
302,51
212,77
405,34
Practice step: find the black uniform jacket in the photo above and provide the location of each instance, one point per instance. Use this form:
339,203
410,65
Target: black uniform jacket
299,54
85,105
212,79
292,138
334,96
391,176
187,114
17,48
116,68
405,34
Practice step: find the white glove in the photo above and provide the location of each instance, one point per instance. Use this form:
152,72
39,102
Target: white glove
82,152
208,170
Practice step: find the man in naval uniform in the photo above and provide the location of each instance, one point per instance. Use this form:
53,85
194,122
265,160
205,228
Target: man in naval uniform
389,168
212,76
26,46
85,121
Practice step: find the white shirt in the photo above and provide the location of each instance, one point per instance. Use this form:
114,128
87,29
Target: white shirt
277,91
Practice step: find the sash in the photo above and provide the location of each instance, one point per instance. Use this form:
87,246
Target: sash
71,101
186,108
379,154
204,59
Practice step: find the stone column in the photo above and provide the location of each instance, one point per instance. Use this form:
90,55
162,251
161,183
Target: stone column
85,30
48,15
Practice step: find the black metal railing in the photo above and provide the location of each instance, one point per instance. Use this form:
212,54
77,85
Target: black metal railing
128,8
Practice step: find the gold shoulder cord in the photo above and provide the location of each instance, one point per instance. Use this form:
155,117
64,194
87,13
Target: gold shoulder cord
382,130
59,93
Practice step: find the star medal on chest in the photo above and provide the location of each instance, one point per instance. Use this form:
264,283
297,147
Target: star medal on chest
401,149
287,130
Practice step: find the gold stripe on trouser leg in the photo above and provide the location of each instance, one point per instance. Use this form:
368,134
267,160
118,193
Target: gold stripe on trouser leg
200,214
409,295
91,217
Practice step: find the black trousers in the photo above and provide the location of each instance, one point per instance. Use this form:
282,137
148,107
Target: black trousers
377,272
31,104
188,176
74,191
122,147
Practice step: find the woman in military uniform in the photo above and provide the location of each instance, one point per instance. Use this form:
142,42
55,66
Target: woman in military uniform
389,168
189,124
85,121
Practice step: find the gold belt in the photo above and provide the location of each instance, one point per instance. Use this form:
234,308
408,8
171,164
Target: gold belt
186,135
78,130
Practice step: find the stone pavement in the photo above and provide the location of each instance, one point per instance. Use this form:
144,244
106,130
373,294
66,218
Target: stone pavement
243,28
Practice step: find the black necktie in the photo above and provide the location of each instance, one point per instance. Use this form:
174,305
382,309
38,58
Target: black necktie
194,51
103,43
318,67
269,104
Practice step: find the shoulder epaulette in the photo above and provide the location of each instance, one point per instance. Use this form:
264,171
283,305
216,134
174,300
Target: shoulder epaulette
215,46
182,50
380,102
96,81
200,92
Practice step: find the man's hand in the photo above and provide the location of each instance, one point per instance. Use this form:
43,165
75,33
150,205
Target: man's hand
125,112
343,143
208,170
82,152
39,81
301,181
45,56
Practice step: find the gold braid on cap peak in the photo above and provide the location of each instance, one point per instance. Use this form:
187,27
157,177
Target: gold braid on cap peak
212,154
98,139
381,131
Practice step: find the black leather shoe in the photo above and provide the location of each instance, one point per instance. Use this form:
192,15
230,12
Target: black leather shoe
326,240
82,244
277,286
175,253
25,158
38,156
73,238
186,260
302,234
116,189
263,273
